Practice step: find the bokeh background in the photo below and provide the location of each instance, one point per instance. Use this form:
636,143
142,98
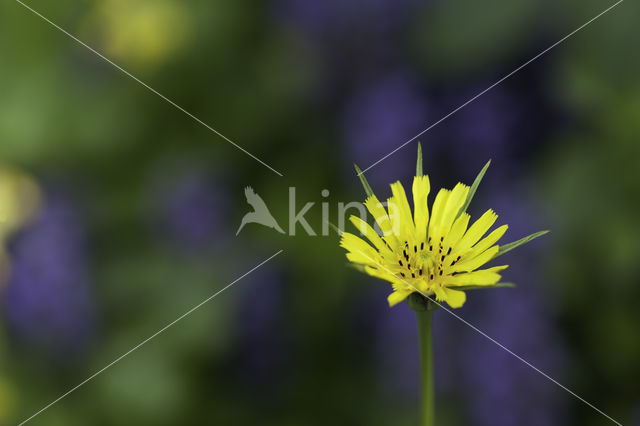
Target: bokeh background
119,211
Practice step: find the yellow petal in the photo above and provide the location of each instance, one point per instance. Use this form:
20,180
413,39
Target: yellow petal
441,295
403,214
381,217
482,277
439,205
380,273
366,230
358,257
455,298
398,296
476,231
471,263
379,214
457,230
488,241
421,188
454,203
358,246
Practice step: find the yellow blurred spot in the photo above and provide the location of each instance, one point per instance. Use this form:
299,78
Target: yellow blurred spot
6,401
19,202
141,32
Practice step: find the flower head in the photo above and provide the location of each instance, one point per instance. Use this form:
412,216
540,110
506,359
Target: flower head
433,252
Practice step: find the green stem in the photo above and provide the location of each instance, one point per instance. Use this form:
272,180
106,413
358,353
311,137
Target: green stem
425,319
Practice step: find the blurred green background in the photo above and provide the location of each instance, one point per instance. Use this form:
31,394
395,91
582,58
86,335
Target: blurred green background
120,211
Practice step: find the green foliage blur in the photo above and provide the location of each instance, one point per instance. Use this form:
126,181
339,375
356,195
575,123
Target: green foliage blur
71,120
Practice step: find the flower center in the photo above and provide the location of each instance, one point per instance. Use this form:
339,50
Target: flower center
426,262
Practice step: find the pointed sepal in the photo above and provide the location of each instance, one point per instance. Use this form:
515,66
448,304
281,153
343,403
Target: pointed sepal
335,228
480,287
365,184
508,247
473,189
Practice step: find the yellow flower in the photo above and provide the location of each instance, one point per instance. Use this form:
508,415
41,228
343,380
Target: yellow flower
437,254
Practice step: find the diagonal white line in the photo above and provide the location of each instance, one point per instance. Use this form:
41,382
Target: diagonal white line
493,85
498,343
151,89
162,330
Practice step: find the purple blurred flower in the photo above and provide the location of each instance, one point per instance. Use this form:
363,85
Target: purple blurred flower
503,124
500,389
487,127
516,206
377,120
397,351
262,330
346,21
396,348
193,210
350,40
446,332
48,300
